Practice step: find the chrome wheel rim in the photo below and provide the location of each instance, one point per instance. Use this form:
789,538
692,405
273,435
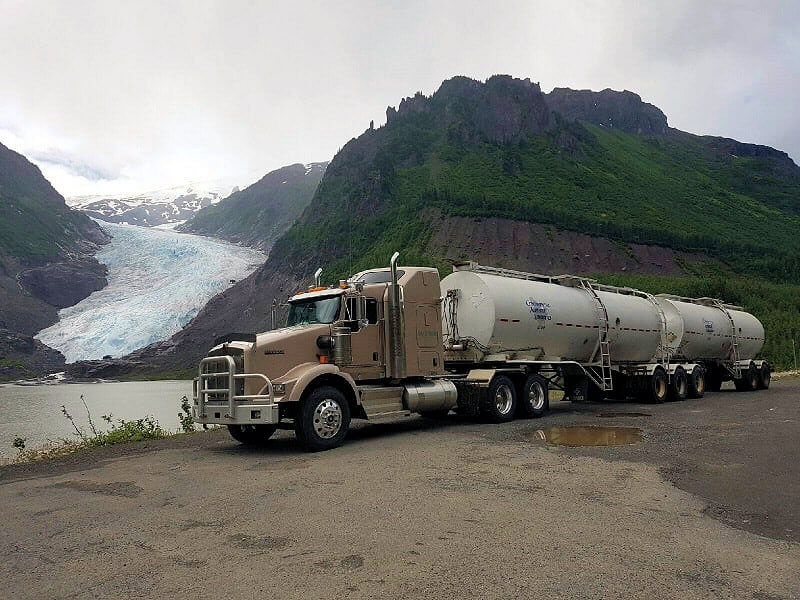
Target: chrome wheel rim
536,396
327,418
503,399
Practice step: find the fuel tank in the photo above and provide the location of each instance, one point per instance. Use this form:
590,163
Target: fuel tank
510,314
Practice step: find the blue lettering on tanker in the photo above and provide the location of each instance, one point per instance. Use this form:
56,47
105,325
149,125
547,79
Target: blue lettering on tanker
539,310
709,325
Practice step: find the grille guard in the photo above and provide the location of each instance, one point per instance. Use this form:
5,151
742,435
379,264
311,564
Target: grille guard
201,392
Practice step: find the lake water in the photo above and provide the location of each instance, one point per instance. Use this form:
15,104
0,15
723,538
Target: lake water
34,412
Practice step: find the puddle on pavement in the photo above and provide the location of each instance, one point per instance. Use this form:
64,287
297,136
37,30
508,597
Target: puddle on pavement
589,436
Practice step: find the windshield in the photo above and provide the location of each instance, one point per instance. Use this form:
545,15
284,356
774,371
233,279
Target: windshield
316,310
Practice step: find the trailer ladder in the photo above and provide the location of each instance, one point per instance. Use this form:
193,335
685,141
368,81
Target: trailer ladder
665,354
734,337
601,351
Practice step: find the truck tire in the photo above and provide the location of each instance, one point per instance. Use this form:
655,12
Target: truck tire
678,384
251,435
500,402
749,380
697,383
655,389
535,399
323,419
764,376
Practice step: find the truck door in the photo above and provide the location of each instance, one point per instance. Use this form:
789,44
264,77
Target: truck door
366,340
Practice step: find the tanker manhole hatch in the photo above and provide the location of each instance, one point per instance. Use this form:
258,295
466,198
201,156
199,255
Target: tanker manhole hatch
588,436
611,415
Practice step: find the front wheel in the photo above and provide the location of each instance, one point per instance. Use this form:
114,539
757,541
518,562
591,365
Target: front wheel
251,435
323,419
534,401
500,402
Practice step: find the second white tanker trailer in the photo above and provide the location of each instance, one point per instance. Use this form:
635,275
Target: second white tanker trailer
487,342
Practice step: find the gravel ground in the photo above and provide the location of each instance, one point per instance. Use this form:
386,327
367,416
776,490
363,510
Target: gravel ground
705,506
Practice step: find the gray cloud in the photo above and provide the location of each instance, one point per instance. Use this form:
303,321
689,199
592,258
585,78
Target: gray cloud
73,165
150,94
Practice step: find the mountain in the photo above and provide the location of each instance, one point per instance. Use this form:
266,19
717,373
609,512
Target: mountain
259,214
574,180
46,261
166,207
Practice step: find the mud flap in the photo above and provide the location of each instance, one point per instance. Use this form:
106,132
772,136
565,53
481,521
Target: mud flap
576,387
469,397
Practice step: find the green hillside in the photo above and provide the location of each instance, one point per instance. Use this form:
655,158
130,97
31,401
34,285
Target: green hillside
35,223
259,214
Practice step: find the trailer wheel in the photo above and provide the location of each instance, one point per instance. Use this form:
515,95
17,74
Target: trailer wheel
323,419
656,387
535,398
251,435
749,381
764,376
500,402
679,384
697,383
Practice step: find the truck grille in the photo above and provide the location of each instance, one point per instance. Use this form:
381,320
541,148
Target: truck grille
221,381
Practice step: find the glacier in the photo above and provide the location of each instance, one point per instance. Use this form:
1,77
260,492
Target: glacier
158,280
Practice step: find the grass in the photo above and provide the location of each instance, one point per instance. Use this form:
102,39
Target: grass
118,431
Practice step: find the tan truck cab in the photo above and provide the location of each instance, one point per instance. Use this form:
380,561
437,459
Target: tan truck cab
365,348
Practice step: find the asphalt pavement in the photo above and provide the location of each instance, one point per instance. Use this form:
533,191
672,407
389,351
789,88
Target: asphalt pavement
705,505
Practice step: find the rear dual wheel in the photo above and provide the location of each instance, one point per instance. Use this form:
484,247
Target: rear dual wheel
764,376
679,384
535,398
656,386
500,402
749,380
697,383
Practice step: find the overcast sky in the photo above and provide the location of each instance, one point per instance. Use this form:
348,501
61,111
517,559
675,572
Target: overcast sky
129,96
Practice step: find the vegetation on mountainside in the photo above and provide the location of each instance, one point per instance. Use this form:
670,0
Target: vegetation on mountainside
661,191
259,214
35,223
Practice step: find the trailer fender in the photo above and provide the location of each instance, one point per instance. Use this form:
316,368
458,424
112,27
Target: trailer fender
306,373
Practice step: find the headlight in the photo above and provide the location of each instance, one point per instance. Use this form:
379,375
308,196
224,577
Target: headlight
279,389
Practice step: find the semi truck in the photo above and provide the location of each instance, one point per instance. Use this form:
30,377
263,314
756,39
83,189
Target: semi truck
487,342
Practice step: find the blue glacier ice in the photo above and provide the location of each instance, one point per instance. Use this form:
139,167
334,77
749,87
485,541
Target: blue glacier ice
158,280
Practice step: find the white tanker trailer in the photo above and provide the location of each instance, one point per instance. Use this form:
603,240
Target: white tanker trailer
596,339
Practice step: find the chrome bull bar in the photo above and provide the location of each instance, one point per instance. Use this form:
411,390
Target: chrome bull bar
258,401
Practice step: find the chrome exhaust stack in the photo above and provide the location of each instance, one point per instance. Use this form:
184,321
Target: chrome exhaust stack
317,277
396,337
